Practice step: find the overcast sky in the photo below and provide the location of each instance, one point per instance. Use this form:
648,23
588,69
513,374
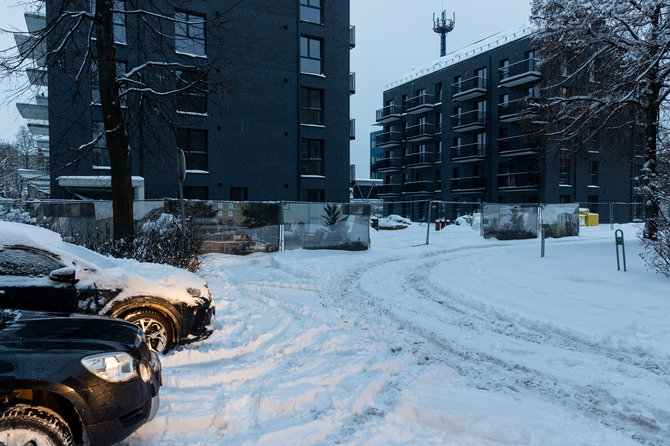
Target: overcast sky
392,37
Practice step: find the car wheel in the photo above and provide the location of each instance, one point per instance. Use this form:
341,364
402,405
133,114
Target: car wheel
22,425
155,326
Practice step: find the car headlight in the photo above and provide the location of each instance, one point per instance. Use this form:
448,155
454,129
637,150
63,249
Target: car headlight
112,367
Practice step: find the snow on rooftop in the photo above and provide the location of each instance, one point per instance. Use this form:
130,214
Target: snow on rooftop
485,44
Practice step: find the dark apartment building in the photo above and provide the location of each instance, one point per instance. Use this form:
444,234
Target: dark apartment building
452,131
277,128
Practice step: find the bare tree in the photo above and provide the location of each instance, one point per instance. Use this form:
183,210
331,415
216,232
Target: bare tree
27,149
80,39
10,182
608,68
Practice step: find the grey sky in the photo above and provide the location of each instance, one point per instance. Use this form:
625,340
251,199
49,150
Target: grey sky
392,37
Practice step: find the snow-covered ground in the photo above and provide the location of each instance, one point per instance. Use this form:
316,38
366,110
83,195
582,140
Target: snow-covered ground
463,342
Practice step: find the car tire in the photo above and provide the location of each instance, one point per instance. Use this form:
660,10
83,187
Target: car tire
25,424
156,327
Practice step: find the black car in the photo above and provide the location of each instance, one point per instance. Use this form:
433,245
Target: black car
39,271
73,379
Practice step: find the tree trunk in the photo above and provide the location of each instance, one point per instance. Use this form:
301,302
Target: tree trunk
650,172
115,131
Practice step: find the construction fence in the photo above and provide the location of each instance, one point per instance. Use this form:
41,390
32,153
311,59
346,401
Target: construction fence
226,226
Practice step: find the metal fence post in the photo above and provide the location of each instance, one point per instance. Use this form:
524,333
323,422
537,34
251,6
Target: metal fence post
430,208
611,216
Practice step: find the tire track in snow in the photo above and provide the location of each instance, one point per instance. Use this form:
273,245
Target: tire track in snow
487,370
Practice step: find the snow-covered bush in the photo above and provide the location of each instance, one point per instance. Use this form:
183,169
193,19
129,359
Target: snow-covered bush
394,221
657,252
16,216
162,241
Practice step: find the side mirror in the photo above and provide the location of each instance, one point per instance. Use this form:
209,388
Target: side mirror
66,275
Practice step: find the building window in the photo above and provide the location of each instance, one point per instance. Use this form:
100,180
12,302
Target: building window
438,180
314,195
121,69
189,33
593,204
311,106
311,157
310,11
119,19
100,152
504,68
310,55
565,199
481,144
438,122
194,144
239,194
564,171
196,192
481,75
438,92
594,173
192,96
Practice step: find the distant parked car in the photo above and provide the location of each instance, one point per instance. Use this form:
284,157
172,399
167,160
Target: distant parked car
73,379
39,271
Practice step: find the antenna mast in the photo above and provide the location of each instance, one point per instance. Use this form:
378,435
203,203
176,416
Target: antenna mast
442,25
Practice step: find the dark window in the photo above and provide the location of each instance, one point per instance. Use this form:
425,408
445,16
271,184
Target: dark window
438,91
239,194
438,180
100,152
310,11
196,192
311,106
192,97
565,199
119,19
121,69
564,171
594,173
314,195
593,204
310,55
311,157
21,262
504,68
189,33
194,144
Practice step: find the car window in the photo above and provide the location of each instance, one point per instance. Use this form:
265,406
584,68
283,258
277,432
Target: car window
22,262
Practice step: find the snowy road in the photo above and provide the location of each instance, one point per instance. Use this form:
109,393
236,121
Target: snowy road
465,341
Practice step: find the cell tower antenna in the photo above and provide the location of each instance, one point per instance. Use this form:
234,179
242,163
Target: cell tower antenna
443,26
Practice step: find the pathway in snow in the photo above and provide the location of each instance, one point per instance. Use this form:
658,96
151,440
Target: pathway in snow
412,345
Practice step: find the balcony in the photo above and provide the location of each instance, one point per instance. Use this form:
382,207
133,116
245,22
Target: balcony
519,181
389,189
520,73
419,159
352,37
517,145
388,139
420,104
420,132
389,113
418,187
512,111
465,122
468,184
468,89
466,153
352,83
389,164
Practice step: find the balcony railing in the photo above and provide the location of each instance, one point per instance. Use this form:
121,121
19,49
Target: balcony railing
469,88
388,139
512,111
389,113
420,103
418,187
472,120
391,163
389,189
517,145
468,184
420,132
352,36
519,73
518,180
419,159
352,83
468,152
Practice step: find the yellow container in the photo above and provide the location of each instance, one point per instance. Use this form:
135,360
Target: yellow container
592,219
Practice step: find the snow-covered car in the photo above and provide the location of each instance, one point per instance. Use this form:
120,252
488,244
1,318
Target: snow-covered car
39,271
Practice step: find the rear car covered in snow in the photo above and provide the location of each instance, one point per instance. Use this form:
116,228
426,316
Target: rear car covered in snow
39,271
73,379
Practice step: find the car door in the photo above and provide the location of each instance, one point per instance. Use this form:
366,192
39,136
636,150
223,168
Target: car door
25,282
